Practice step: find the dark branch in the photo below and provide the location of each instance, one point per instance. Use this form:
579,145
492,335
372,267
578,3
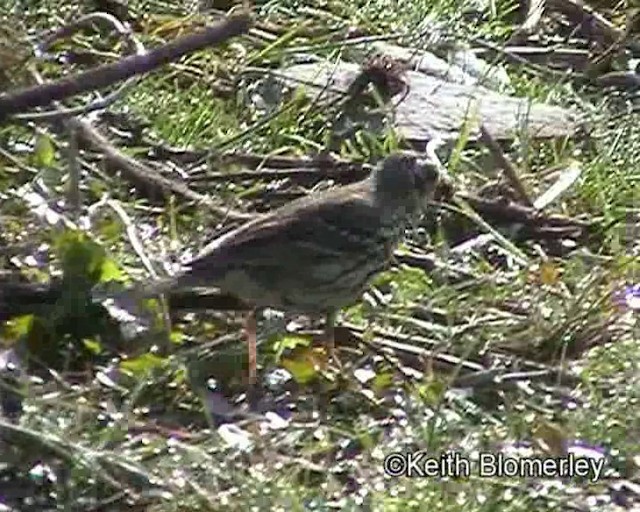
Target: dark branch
127,67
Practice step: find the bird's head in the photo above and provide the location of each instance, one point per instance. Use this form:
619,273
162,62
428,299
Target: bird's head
403,183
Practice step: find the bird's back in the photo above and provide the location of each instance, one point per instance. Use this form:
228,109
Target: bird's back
315,253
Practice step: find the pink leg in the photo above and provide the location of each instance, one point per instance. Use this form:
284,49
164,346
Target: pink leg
329,332
250,330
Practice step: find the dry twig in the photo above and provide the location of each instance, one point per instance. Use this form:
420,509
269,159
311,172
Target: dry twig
127,67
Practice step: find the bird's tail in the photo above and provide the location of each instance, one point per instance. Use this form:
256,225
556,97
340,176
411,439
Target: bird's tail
127,305
154,287
138,291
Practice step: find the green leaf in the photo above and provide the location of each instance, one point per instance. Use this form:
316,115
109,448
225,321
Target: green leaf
18,327
143,364
382,278
111,271
81,257
289,342
367,440
44,153
432,391
410,283
382,381
92,346
306,364
177,337
355,314
303,369
109,229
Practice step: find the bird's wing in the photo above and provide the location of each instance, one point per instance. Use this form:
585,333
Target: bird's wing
336,224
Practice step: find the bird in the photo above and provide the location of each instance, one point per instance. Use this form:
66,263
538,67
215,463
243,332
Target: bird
316,254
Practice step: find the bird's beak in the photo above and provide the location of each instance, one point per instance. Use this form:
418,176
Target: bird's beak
441,185
438,184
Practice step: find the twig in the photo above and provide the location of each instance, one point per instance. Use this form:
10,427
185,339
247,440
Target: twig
574,58
533,16
405,348
18,298
601,62
508,168
88,20
139,249
431,264
73,190
130,230
135,47
127,67
536,69
119,498
464,208
583,15
285,167
141,174
45,444
513,212
444,362
498,377
622,79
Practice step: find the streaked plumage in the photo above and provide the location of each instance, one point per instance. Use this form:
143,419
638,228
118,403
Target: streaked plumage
315,254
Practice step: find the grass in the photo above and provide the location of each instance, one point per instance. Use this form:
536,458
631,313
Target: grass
106,425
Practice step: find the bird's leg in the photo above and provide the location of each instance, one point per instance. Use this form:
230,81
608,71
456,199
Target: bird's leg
330,334
329,330
250,327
